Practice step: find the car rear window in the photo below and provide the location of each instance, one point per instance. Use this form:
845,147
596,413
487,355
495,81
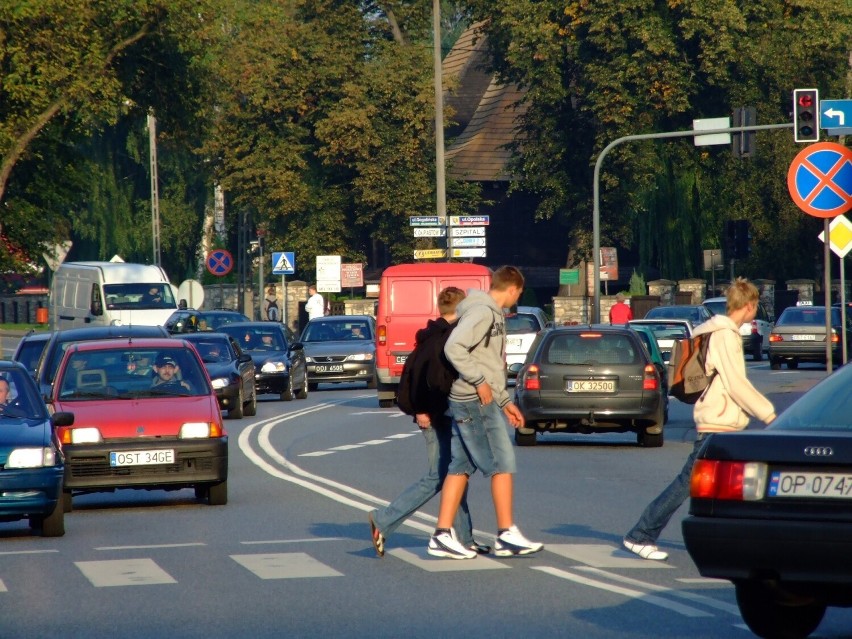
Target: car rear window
718,308
804,315
591,348
522,323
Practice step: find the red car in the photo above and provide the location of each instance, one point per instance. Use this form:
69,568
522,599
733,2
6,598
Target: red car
145,416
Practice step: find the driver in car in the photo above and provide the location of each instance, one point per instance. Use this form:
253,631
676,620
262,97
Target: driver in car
4,394
167,369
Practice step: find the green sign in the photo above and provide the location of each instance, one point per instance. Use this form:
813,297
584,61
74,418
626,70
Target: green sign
569,276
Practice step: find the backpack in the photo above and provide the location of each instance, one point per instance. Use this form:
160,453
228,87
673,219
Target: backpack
689,378
272,311
428,375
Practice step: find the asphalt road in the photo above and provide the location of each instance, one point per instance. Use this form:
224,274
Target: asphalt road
290,554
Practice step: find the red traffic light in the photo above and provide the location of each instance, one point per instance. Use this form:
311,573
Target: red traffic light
806,100
805,115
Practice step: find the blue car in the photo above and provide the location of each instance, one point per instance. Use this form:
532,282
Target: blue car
31,461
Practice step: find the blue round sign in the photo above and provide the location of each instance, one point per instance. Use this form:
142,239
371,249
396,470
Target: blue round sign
219,262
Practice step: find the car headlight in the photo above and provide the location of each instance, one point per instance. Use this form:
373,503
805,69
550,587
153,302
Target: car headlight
220,382
359,357
273,367
85,435
200,430
32,457
309,360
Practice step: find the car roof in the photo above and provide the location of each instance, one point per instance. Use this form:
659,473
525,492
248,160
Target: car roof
256,325
341,318
202,335
145,342
106,332
7,364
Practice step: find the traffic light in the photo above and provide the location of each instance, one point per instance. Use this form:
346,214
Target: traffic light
736,239
806,115
743,145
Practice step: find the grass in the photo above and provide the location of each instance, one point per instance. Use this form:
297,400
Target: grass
23,327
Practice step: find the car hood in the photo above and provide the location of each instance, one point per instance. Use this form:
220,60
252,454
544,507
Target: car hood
261,357
20,433
349,347
219,369
143,417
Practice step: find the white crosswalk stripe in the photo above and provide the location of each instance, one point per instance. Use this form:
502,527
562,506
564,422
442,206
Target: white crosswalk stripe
124,572
285,565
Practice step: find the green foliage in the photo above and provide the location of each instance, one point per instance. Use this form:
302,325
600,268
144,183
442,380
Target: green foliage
637,285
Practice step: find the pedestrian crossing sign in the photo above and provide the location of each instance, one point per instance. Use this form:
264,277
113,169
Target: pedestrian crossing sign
283,263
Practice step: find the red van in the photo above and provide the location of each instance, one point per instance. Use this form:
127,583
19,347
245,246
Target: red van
408,298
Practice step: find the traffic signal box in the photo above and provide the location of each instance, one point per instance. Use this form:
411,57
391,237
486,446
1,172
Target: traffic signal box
736,239
806,115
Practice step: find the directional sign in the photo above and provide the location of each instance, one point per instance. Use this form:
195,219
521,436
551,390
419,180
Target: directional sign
835,115
820,179
430,231
283,263
427,220
469,220
328,273
458,242
428,254
467,252
219,262
839,235
467,231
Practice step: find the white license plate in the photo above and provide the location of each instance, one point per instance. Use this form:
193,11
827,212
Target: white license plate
813,485
513,343
142,457
330,368
590,386
400,359
803,338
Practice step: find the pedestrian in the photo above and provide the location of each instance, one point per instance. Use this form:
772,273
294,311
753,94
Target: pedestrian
315,306
436,426
620,312
481,407
725,406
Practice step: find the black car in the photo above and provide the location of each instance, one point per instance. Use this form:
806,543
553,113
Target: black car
60,341
231,372
279,364
771,510
799,336
190,320
590,379
30,349
341,348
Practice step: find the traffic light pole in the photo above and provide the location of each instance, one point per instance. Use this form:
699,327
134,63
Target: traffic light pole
596,211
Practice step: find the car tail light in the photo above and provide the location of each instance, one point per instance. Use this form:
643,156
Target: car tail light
835,338
382,334
651,379
731,480
773,337
531,378
754,329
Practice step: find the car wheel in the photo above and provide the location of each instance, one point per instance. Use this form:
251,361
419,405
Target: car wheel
236,410
53,525
373,383
218,494
67,503
792,364
287,393
202,492
767,614
251,408
386,403
775,363
757,350
313,387
649,440
525,439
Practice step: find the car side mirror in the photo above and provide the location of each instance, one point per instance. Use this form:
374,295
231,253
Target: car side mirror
297,346
244,357
62,418
515,368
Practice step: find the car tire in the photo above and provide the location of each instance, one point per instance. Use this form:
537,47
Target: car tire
287,393
792,364
250,409
386,403
217,494
525,439
757,350
775,363
236,410
67,502
649,440
52,525
767,614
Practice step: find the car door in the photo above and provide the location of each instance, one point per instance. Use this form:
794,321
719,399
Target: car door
245,365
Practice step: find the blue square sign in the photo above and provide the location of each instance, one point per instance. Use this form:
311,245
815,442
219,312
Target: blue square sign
283,263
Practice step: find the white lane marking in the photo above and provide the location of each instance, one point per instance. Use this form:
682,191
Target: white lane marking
346,447
124,572
425,561
291,541
404,435
687,611
26,552
710,602
285,565
319,453
2,586
375,442
192,543
605,556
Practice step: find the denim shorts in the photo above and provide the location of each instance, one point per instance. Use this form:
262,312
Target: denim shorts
480,439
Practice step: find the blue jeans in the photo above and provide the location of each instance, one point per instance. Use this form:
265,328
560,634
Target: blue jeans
480,439
658,513
415,496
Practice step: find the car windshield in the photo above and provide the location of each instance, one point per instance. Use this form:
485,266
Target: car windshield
18,398
814,315
826,406
256,339
522,323
213,350
674,312
29,353
666,331
130,373
337,330
139,296
213,320
590,348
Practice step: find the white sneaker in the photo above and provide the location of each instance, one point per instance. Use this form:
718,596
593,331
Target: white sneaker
446,545
512,542
646,551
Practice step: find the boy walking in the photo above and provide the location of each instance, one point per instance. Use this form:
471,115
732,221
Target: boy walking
435,424
480,406
725,406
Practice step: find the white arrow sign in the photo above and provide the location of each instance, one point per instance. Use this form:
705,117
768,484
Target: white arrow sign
434,231
467,231
457,242
840,115
467,252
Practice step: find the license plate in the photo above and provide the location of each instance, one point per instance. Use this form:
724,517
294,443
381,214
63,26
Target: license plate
330,368
513,343
813,485
590,386
803,338
142,457
400,359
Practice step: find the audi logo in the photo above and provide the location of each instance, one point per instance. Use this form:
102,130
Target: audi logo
819,451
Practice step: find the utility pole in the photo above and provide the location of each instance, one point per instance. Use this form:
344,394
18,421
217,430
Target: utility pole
440,179
155,195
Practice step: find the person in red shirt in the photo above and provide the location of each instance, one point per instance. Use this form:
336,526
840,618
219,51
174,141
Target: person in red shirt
620,313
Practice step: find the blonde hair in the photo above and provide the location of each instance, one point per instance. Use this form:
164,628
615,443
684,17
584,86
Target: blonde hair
740,293
449,298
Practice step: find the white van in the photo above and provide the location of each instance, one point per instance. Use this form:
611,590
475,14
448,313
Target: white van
110,293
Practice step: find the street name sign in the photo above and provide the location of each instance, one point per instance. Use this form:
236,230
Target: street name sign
427,220
820,179
467,231
469,220
458,242
835,116
429,254
467,252
430,231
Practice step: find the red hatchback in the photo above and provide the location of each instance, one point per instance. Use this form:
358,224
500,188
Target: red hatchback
145,416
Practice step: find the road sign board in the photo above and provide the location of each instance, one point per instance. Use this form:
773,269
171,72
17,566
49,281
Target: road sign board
467,252
428,254
469,220
458,242
427,220
283,263
219,262
820,179
835,115
467,231
430,231
352,275
839,236
708,124
328,273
